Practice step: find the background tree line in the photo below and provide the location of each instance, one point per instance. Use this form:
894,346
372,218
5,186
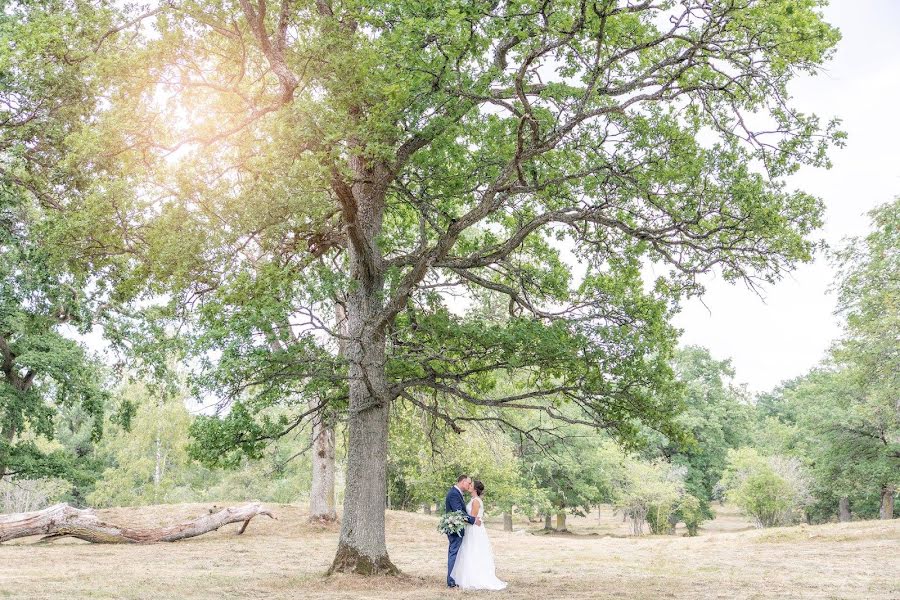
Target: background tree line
820,447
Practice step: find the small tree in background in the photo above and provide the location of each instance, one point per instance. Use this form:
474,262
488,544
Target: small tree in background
152,463
648,493
771,490
574,467
715,417
690,511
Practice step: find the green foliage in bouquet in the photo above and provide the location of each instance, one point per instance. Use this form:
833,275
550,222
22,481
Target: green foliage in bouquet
452,522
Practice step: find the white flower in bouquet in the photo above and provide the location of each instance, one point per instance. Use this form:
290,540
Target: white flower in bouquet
452,522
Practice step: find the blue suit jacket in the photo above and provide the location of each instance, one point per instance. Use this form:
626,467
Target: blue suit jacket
455,501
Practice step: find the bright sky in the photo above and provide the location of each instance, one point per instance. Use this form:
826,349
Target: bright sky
788,331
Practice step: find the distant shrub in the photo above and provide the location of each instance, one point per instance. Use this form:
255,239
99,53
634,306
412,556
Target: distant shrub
659,517
772,490
649,493
764,496
690,511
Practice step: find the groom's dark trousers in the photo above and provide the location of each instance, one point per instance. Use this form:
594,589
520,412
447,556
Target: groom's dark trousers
455,501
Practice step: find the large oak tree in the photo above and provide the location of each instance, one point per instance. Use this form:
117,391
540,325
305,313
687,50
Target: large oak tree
273,162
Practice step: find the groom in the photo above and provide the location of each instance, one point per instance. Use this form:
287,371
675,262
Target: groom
455,501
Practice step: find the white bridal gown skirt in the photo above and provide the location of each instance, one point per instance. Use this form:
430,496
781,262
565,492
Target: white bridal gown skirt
474,567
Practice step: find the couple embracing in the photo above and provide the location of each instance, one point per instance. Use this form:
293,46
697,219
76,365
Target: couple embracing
470,560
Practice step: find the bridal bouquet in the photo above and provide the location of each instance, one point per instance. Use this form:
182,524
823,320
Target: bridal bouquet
452,522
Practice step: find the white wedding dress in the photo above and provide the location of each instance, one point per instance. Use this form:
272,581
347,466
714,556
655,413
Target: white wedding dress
474,567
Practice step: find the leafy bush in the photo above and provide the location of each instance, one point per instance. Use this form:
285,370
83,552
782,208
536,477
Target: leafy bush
690,511
659,517
648,494
772,490
764,496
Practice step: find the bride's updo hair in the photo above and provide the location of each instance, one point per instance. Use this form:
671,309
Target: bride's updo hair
479,487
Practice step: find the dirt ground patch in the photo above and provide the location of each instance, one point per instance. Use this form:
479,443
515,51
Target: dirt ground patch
287,558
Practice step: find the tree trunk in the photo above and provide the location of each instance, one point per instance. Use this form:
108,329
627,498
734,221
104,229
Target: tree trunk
158,466
507,521
362,548
61,520
561,521
11,376
321,493
887,502
157,470
9,433
599,513
673,524
844,509
548,523
438,509
427,508
322,506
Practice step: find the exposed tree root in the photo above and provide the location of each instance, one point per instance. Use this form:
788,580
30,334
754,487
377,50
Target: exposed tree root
350,560
323,519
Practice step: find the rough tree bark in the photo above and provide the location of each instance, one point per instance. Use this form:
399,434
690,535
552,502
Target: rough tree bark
9,433
428,508
844,509
507,521
548,523
561,521
21,385
160,458
321,494
887,502
362,548
322,506
62,520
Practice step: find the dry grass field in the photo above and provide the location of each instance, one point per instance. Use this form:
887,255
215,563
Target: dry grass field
287,558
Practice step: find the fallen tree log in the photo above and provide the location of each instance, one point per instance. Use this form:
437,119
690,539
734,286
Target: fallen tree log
62,520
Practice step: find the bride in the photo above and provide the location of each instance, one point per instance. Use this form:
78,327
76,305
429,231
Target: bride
474,568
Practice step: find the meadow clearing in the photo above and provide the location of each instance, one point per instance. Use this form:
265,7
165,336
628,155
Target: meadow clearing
287,557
